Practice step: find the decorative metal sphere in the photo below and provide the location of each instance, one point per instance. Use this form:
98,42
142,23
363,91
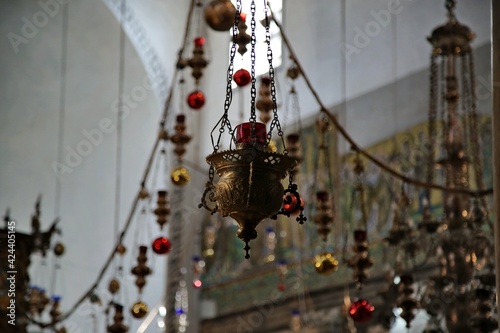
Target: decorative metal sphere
161,245
180,176
325,263
139,310
59,249
361,311
219,15
114,286
121,249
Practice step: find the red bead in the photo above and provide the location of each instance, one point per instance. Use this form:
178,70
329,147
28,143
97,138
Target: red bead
291,205
161,245
360,235
243,17
265,80
281,287
197,283
196,100
242,77
199,41
244,133
361,311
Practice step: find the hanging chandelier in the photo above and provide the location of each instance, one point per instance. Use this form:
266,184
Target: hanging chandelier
460,297
249,188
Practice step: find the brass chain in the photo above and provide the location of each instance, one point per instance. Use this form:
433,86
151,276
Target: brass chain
275,123
224,121
476,147
253,89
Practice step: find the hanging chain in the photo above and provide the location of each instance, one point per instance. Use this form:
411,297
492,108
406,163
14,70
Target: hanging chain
450,7
432,121
253,90
359,170
224,120
275,122
476,147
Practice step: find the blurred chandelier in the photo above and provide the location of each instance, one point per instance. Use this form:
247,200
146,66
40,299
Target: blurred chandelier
460,297
249,188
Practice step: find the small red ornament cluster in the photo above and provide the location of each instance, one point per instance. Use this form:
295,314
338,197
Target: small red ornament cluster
361,311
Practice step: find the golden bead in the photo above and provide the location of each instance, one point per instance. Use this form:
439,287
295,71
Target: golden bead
139,310
114,286
121,249
59,249
180,176
325,263
219,15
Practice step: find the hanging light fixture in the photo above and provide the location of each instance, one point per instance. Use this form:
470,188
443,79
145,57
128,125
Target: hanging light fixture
460,244
453,104
249,189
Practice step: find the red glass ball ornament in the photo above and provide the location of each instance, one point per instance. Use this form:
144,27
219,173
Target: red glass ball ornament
197,283
361,311
161,245
281,287
242,77
244,133
291,205
196,100
199,41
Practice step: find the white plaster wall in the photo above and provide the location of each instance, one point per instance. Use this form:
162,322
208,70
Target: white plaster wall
28,136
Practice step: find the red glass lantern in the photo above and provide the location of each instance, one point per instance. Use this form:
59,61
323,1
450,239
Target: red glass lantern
242,77
161,245
196,100
244,133
361,311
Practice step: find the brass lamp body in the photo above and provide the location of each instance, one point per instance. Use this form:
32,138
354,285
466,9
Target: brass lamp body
249,189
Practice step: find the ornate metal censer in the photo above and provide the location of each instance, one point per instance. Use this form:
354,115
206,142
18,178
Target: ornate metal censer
249,189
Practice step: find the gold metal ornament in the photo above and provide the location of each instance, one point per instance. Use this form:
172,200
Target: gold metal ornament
59,249
219,15
325,263
163,208
141,270
118,326
139,310
249,189
180,176
121,249
113,286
